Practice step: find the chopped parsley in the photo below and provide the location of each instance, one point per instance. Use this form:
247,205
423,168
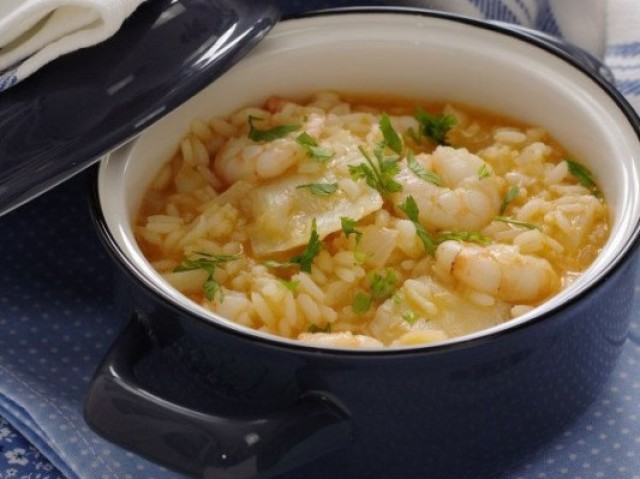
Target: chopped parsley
520,224
349,228
511,195
361,303
584,176
434,127
391,138
312,148
484,172
263,136
379,173
320,189
410,317
421,172
468,236
304,259
410,208
382,287
208,263
291,285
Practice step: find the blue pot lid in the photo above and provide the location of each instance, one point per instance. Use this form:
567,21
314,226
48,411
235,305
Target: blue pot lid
66,116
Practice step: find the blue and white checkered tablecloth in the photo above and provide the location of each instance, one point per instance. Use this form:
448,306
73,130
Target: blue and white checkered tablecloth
57,320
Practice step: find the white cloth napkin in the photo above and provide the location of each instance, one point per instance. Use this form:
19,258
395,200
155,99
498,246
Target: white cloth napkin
35,32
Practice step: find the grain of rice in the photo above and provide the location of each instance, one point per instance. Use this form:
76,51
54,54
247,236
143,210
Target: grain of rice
150,236
324,261
165,265
222,127
171,241
244,319
186,148
308,168
532,208
201,130
553,244
318,276
557,173
241,117
529,241
344,258
200,153
572,208
284,329
308,286
310,309
520,309
162,228
345,274
329,314
481,299
567,190
263,311
511,137
561,222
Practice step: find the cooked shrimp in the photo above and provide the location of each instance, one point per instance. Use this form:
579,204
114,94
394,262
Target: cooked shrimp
498,270
468,199
240,159
344,339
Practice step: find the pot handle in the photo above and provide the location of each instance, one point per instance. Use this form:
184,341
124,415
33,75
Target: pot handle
201,444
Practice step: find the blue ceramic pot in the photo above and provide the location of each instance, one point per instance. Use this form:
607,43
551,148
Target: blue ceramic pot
205,396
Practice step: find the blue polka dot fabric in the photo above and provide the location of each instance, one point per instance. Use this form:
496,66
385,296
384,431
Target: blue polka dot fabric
57,321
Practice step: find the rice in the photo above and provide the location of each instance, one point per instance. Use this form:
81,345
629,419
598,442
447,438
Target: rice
207,211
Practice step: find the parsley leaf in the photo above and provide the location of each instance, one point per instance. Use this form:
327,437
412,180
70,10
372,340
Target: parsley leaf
304,259
361,303
410,208
484,172
410,317
382,286
379,173
291,285
520,224
349,228
584,176
469,236
311,251
270,134
208,263
320,189
421,172
434,127
391,139
511,195
313,149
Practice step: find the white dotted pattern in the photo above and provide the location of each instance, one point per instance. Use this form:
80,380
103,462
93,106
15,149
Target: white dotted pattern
56,322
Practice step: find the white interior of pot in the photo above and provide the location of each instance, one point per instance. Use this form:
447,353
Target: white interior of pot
413,56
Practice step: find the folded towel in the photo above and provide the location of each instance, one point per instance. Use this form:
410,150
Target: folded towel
35,32
57,320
